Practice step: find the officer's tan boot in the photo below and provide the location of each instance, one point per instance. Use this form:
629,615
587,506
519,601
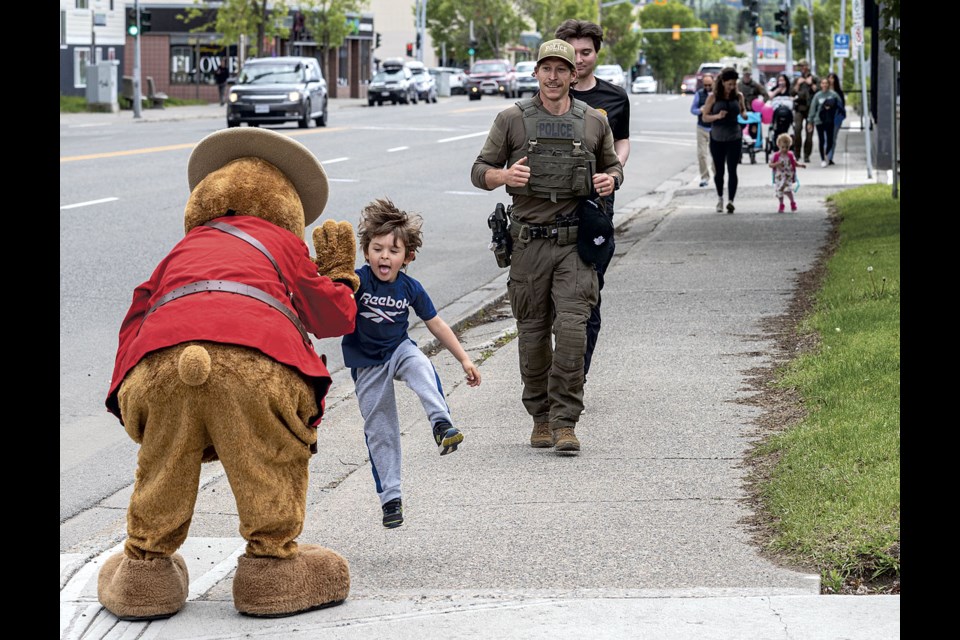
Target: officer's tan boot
143,589
564,439
275,588
541,438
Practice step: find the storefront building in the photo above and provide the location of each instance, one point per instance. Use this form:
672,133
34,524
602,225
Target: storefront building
182,61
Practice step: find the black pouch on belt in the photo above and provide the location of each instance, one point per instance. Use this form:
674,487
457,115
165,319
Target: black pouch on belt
595,232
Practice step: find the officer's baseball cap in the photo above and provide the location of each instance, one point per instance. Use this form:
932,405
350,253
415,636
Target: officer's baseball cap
557,49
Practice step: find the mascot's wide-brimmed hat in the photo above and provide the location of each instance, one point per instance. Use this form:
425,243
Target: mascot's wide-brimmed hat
289,156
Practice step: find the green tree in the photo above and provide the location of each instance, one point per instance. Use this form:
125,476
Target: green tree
725,17
546,15
620,42
235,18
496,25
890,33
327,22
672,59
824,19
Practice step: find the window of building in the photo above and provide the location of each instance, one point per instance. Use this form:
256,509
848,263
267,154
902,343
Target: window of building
83,4
343,69
63,29
81,58
181,64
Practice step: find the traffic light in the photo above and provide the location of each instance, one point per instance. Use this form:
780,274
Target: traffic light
782,18
715,31
418,41
376,44
759,32
132,30
473,47
410,49
145,18
676,32
754,16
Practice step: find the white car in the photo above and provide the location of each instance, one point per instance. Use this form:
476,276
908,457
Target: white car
644,84
458,78
612,73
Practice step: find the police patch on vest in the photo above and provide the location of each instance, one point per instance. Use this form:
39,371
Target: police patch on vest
561,130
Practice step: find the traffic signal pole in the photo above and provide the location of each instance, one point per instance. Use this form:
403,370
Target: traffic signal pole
136,66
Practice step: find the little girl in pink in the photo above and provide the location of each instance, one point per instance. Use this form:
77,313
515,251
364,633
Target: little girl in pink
784,166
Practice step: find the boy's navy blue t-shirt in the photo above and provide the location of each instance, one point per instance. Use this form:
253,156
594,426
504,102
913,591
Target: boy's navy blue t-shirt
383,317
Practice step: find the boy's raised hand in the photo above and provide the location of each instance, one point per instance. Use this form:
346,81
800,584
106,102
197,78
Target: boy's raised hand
336,247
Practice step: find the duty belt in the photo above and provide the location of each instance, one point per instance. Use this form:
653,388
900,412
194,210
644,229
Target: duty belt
561,228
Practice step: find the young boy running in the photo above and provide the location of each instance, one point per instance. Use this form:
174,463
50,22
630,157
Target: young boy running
379,350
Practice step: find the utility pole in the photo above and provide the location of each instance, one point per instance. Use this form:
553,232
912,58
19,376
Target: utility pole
843,29
813,49
137,95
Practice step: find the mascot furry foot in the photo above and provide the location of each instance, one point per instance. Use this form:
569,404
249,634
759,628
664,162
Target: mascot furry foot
143,589
275,588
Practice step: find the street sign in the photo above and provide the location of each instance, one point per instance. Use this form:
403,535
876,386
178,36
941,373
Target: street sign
858,35
841,45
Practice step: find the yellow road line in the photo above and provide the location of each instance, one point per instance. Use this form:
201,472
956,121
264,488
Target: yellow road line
172,147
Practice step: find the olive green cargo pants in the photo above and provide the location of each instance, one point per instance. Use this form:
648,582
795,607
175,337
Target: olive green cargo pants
551,290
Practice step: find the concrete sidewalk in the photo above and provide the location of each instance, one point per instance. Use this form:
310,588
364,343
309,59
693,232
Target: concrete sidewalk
640,536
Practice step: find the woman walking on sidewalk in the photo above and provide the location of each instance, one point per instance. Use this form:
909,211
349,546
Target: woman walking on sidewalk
841,114
726,138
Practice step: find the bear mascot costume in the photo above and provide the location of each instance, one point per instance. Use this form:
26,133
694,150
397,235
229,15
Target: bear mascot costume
214,362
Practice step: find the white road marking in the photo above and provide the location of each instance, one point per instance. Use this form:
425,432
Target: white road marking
465,193
332,160
87,203
397,149
464,137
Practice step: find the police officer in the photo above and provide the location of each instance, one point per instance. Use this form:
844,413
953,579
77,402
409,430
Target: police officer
550,151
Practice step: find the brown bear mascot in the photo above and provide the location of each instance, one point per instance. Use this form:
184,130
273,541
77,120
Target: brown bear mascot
214,362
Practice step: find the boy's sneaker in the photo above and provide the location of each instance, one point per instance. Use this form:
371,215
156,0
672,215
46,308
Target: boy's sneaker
393,514
720,205
730,207
780,210
447,436
793,206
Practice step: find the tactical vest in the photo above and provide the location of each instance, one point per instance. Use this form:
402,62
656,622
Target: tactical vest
560,166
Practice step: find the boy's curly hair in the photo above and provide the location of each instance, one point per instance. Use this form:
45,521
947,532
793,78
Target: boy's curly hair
381,217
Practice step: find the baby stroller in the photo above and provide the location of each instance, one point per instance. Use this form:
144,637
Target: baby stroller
782,122
752,135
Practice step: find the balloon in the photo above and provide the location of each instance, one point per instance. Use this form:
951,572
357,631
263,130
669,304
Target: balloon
757,104
766,114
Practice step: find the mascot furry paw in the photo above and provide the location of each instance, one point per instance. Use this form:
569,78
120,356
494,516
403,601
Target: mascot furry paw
215,362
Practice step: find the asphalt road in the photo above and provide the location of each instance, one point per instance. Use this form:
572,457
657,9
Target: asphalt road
123,188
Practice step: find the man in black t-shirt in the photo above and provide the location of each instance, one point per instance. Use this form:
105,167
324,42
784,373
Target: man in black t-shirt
612,101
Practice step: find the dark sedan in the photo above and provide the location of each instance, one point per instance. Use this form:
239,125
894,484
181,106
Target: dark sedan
278,90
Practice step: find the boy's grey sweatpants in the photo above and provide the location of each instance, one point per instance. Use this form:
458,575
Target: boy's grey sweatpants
378,406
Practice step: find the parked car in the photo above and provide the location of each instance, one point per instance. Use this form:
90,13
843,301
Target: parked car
458,78
526,83
393,84
612,73
278,90
689,84
492,77
644,84
425,83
